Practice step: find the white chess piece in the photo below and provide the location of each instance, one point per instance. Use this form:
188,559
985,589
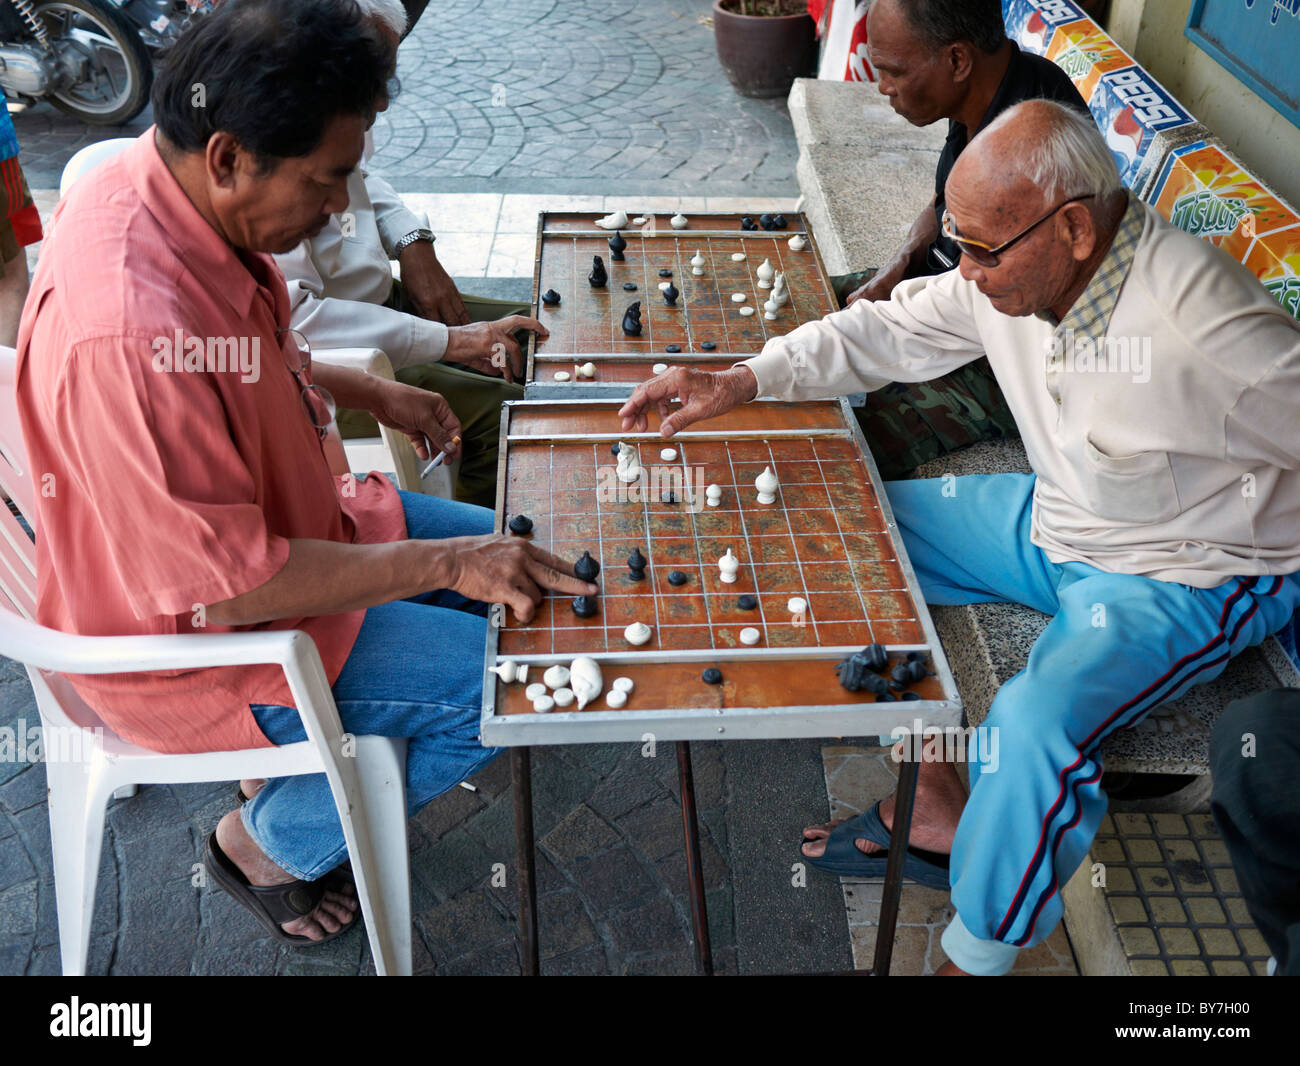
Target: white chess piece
628,468
747,310
727,567
658,368
765,273
585,679
668,455
737,257
796,605
797,243
562,697
544,704
713,495
508,671
623,684
678,221
697,263
770,308
556,677
767,485
637,633
616,698
749,635
587,370
614,220
535,690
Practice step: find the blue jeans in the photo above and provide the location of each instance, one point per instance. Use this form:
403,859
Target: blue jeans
416,671
1117,647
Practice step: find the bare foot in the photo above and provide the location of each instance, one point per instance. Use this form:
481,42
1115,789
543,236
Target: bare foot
251,786
951,969
336,908
939,802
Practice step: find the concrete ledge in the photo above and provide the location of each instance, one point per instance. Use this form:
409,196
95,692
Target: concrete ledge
865,173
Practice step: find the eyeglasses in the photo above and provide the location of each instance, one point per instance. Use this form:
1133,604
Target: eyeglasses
986,255
316,401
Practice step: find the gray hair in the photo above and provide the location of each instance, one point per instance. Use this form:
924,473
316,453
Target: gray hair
390,12
1071,157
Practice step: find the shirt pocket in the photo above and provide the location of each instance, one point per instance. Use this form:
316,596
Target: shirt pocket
1130,488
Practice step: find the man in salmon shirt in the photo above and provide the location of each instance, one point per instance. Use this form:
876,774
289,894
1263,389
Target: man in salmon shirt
176,426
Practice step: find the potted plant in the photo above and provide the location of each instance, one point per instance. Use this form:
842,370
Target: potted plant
763,45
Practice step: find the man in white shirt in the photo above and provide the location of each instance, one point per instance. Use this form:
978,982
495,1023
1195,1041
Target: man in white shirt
342,295
1155,383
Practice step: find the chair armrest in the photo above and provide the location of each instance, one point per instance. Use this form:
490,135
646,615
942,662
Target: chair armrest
368,360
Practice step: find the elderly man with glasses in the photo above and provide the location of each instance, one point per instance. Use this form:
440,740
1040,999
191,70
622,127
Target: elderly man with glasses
1156,383
176,423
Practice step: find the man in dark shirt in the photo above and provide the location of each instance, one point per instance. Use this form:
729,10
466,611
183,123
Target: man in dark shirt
938,59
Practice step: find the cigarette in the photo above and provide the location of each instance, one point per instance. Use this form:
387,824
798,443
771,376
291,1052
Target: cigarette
467,785
438,459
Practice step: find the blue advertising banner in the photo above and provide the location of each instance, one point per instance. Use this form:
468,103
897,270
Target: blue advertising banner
1258,40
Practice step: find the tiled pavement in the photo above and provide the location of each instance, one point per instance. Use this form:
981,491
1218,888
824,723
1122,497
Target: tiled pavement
856,777
544,96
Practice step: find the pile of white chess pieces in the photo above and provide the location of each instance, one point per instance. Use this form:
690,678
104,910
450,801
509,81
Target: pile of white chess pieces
581,682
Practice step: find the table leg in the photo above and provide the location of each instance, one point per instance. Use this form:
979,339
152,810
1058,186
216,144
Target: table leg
694,870
889,900
521,779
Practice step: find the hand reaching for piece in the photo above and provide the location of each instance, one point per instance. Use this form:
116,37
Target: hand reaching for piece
428,286
501,569
704,394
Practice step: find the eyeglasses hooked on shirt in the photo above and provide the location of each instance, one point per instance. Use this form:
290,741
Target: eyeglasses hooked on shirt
317,403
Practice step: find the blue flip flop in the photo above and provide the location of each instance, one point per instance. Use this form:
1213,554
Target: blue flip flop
843,858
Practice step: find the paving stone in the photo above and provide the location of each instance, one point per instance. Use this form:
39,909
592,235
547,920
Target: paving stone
557,789
499,960
15,866
623,792
589,962
18,909
14,954
158,930
448,811
468,919
455,863
24,790
581,833
563,925
655,829
663,964
651,927
613,880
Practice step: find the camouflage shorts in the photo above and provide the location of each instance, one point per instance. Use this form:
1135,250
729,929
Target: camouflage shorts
910,424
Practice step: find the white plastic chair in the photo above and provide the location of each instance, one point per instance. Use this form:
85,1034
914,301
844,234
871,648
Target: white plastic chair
369,789
390,452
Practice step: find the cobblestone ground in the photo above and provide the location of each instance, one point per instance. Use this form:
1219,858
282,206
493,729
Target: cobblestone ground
611,881
574,96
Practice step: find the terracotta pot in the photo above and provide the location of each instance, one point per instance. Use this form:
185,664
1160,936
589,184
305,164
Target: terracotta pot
763,55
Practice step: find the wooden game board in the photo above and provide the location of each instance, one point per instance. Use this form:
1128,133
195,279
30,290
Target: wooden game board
588,322
829,539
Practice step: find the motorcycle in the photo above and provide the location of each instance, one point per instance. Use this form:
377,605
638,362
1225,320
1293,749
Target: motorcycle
84,56
161,22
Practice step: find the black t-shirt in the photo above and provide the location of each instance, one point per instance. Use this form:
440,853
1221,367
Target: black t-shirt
1028,77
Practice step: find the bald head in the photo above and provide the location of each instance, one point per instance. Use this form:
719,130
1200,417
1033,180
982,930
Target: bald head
1021,172
1052,147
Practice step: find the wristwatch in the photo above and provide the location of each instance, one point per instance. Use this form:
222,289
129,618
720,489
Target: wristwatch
411,238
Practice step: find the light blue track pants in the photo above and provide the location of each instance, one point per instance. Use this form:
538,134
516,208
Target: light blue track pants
1118,646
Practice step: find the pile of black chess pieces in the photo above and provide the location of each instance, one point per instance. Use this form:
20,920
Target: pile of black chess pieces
865,669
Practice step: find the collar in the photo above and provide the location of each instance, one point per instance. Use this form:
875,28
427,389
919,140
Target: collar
1090,315
217,265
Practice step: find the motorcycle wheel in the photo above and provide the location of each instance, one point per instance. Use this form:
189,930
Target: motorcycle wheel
116,60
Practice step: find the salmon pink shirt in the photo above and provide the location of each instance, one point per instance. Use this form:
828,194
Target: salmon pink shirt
165,488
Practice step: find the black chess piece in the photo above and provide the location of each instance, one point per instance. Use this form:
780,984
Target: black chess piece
665,273
616,245
708,346
673,349
584,606
676,577
712,676
779,222
586,568
598,278
747,602
521,525
671,294
629,286
747,223
765,221
632,320
636,564
550,297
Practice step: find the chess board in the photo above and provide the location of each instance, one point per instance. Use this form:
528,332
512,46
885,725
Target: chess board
588,321
829,539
